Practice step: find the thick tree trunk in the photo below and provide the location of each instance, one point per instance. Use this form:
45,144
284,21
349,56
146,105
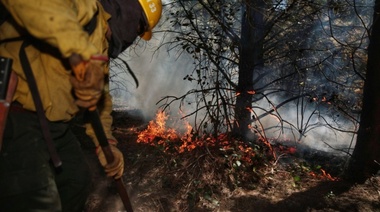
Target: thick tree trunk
251,46
365,160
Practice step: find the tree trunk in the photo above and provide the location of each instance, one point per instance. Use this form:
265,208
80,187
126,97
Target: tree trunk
251,46
366,156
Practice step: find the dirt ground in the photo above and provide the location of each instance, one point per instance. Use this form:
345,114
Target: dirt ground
207,179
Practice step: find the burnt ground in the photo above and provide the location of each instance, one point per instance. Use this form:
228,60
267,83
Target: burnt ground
208,179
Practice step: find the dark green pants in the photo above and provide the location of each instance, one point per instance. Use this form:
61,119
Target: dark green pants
28,181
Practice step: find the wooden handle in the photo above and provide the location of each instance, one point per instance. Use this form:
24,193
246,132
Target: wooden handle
103,141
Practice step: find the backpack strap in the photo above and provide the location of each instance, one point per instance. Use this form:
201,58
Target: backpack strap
38,104
4,14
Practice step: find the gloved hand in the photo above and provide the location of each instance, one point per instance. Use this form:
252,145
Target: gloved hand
116,168
88,79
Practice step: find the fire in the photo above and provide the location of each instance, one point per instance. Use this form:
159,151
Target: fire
252,92
171,141
324,175
158,133
328,176
157,130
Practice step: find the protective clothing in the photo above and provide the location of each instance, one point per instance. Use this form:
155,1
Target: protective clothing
88,80
116,168
127,19
124,23
25,168
152,12
55,30
55,22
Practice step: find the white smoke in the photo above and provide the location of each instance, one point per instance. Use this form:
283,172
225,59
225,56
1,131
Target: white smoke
316,128
160,74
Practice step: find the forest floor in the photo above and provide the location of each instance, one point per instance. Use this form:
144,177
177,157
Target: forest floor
212,178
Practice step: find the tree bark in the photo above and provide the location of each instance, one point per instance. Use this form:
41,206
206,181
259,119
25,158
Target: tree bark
251,47
366,156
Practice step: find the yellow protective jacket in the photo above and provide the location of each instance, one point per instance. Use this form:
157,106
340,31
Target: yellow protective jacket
58,26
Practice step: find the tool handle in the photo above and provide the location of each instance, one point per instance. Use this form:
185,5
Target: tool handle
103,141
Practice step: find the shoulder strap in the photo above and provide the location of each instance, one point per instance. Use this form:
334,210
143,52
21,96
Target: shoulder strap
38,104
4,14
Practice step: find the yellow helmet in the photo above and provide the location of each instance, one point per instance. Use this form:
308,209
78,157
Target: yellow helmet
152,11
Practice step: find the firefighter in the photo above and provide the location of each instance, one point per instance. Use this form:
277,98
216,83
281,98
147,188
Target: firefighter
57,37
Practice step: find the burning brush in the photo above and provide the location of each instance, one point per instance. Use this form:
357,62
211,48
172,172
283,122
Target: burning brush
158,134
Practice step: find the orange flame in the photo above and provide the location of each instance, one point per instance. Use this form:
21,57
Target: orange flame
251,92
158,133
328,176
157,130
324,175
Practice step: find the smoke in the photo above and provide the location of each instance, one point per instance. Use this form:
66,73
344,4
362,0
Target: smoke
160,74
316,127
318,124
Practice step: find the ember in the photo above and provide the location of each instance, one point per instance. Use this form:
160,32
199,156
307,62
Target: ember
323,175
328,176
